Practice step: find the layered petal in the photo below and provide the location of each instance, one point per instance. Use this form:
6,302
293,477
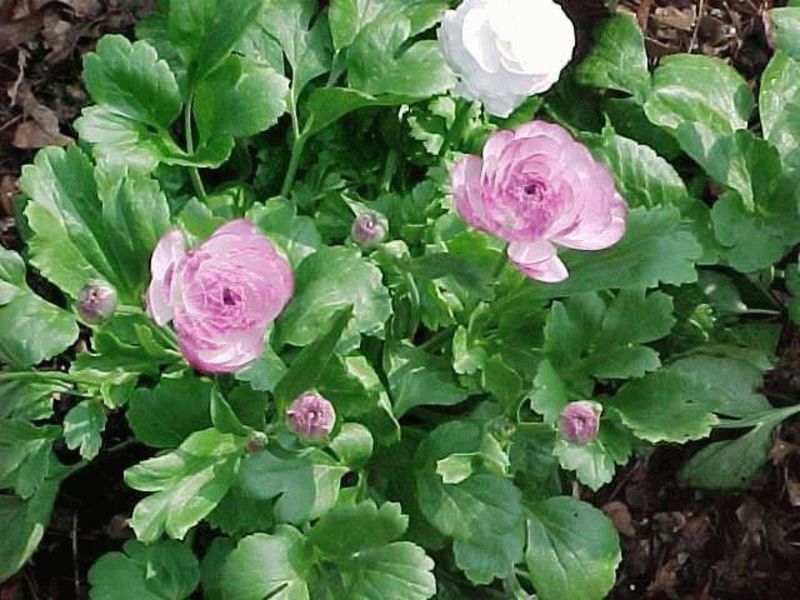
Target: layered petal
169,251
538,260
506,50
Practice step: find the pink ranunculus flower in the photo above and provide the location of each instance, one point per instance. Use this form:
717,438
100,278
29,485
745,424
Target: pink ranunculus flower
536,187
221,295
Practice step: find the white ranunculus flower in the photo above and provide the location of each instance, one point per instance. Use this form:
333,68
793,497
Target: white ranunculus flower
506,50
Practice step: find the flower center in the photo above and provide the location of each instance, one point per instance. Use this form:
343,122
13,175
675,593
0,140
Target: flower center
229,297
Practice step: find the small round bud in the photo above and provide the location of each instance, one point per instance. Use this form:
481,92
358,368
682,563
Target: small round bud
579,422
311,416
96,302
369,229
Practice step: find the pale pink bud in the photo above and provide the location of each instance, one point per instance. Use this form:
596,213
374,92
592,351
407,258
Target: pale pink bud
311,416
368,229
579,422
96,302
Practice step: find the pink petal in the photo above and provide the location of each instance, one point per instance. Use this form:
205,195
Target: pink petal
225,356
169,251
597,232
538,260
466,184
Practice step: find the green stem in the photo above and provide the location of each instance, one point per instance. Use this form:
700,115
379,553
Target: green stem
456,130
194,174
389,169
298,145
45,376
438,339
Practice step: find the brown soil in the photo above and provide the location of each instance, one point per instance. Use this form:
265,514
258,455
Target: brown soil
678,543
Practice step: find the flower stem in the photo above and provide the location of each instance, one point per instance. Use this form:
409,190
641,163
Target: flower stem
298,145
456,130
194,174
44,376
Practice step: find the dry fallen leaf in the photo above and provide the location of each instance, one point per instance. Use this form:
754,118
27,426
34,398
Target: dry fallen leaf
40,128
621,517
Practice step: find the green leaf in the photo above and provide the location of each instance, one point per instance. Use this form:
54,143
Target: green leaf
595,463
549,394
535,469
678,402
584,337
28,400
779,106
618,60
85,230
23,523
643,178
131,81
163,417
307,48
756,241
31,329
690,88
268,566
482,514
265,372
83,425
417,378
467,273
205,31
573,550
381,61
223,417
211,567
239,514
349,17
136,210
306,484
656,248
327,281
353,445
352,385
787,29
117,139
735,383
25,451
296,235
239,99
732,464
329,104
166,570
310,364
349,529
398,571
188,483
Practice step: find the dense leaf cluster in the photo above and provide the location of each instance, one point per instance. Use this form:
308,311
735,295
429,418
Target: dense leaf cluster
447,368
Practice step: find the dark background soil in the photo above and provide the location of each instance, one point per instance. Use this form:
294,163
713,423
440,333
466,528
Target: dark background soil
678,543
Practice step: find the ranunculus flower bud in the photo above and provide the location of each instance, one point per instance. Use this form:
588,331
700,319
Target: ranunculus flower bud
368,229
220,296
506,50
311,416
96,302
579,422
537,186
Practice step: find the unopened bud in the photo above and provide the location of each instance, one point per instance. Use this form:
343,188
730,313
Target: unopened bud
369,229
311,416
579,422
96,302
